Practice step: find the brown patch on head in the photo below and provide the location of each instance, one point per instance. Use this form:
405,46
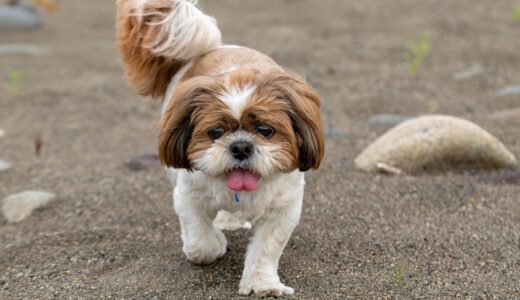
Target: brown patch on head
149,74
242,78
217,61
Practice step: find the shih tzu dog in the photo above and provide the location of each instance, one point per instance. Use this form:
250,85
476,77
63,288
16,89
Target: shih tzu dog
237,132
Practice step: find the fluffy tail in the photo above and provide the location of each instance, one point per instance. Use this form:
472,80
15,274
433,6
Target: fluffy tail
157,37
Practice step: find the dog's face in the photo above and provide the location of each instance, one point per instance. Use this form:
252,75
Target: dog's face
243,127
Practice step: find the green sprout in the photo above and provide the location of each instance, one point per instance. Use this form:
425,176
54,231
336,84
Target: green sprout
399,275
517,15
417,53
15,81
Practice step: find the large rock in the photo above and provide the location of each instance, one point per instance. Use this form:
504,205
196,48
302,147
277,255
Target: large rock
436,143
19,206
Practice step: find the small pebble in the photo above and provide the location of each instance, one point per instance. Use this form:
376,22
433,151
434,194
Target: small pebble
334,132
509,90
19,206
387,119
19,17
384,168
145,161
5,165
7,49
472,71
2,132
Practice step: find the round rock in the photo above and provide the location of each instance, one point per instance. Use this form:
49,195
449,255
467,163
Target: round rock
19,206
436,143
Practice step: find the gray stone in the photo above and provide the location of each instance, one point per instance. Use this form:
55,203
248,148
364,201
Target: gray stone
5,165
145,161
19,17
436,143
509,90
472,71
2,133
19,206
7,49
333,133
387,119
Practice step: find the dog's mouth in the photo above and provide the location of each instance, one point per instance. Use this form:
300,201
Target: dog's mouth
242,180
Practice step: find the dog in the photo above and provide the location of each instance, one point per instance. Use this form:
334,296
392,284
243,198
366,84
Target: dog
237,133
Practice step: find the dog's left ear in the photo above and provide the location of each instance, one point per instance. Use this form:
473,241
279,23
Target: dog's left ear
177,123
304,111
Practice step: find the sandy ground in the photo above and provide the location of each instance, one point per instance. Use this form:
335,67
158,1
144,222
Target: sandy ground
111,232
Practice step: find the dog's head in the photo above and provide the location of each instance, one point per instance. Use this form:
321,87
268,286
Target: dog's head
242,127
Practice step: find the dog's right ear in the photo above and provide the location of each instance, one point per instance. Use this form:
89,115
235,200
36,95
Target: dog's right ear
157,37
178,121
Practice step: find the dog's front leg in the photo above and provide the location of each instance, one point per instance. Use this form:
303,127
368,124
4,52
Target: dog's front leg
203,243
272,232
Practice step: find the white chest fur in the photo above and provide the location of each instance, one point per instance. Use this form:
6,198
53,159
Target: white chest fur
272,193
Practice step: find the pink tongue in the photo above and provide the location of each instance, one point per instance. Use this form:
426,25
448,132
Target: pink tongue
239,180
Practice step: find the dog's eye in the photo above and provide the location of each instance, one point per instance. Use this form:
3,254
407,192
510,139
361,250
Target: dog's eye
216,133
264,130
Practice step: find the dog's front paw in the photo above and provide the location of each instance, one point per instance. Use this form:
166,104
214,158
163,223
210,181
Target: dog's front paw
207,249
264,288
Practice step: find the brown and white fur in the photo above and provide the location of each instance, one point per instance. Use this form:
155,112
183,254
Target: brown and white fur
215,98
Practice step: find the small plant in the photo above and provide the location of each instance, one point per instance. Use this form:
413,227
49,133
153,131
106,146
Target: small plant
15,81
418,50
517,15
398,275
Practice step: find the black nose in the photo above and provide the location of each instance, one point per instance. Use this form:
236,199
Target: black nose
241,150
